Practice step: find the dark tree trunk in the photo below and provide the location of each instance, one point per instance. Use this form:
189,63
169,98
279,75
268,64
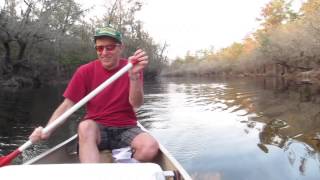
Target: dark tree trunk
7,61
22,66
7,56
22,50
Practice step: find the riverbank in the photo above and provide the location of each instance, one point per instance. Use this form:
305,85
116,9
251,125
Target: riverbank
312,76
276,71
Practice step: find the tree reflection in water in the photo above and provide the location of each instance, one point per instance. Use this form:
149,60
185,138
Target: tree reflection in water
293,117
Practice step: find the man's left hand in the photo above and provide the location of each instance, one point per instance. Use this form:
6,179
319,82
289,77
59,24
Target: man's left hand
142,59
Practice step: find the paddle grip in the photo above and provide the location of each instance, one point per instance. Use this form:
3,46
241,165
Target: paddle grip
134,61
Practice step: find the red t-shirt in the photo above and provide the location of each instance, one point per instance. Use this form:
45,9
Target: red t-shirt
111,106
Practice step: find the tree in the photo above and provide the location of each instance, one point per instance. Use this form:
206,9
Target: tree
249,45
276,13
231,53
273,15
39,37
310,8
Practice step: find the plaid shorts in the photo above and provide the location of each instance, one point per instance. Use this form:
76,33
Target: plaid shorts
117,137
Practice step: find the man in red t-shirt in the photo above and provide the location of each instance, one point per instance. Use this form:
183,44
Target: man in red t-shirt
110,121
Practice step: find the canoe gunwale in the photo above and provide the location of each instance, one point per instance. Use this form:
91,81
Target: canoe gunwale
52,150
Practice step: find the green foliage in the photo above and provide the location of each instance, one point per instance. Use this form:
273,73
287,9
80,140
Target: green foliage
36,34
51,38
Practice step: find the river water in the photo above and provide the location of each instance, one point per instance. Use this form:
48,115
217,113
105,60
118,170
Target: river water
230,129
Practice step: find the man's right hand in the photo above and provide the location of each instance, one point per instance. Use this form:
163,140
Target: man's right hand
37,135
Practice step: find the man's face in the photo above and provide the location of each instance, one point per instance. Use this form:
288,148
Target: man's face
108,51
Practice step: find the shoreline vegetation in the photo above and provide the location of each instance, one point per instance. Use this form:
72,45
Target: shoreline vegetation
43,43
287,44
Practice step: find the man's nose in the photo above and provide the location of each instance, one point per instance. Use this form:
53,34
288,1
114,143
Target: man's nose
105,51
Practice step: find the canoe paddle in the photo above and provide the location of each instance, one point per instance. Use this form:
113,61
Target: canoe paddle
6,160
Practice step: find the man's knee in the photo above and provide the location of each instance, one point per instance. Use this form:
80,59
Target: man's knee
150,149
88,129
146,147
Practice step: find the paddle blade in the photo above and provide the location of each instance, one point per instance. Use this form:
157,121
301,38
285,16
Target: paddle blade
5,160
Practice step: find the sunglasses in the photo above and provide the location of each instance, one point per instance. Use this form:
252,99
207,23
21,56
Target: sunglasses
110,47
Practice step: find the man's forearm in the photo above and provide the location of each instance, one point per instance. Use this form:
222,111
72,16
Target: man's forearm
63,107
136,90
37,134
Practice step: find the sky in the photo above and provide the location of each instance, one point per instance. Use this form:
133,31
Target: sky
200,24
191,25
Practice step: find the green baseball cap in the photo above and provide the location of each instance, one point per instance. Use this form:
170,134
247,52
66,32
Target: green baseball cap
108,32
